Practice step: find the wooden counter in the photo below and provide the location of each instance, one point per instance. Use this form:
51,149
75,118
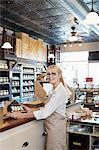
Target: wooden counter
11,123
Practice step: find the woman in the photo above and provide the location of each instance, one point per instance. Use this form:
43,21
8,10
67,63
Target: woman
53,112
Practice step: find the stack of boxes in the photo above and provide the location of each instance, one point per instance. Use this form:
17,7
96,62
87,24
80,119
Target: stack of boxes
32,49
29,48
24,43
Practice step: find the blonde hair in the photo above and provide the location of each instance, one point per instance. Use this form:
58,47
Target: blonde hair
58,70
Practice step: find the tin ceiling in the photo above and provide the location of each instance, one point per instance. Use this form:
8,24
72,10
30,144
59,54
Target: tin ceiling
50,20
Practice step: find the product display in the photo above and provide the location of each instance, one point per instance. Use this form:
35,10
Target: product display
15,106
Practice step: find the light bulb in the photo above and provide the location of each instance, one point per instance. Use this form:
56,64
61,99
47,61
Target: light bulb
65,45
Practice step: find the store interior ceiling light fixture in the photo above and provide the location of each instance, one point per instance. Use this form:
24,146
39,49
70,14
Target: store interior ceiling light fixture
73,38
51,56
92,17
7,45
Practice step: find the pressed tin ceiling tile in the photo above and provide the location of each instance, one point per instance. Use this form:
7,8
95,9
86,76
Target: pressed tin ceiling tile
50,20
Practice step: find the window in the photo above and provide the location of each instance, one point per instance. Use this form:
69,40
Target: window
76,68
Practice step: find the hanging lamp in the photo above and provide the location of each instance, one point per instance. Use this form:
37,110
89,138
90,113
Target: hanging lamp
7,45
51,55
92,17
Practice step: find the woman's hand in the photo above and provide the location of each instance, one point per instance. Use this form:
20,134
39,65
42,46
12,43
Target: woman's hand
15,115
19,115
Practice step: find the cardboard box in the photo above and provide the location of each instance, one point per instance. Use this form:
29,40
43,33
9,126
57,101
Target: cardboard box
18,47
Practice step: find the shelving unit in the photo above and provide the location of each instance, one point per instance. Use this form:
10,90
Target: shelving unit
17,80
28,76
38,71
82,135
16,89
5,85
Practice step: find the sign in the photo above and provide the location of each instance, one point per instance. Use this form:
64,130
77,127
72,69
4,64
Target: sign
89,79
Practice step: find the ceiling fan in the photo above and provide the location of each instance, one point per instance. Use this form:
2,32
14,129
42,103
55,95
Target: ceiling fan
73,36
73,33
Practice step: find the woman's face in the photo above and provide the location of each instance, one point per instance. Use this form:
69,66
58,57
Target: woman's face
53,76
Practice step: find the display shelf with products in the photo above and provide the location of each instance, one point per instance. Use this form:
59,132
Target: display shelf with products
16,81
38,71
16,88
5,86
78,132
28,77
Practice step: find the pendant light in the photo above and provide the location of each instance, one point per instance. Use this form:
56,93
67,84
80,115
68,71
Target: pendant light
73,38
51,54
7,45
92,17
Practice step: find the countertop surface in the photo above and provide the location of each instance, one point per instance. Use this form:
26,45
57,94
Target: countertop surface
74,103
93,119
10,123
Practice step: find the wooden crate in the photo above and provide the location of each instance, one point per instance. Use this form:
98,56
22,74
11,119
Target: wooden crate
33,49
18,47
24,43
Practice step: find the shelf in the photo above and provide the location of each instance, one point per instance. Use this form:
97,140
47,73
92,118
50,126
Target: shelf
28,73
5,96
15,86
29,85
28,79
7,70
16,71
15,92
28,91
4,83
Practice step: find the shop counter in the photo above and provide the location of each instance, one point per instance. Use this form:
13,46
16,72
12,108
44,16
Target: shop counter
74,106
9,123
19,134
84,133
